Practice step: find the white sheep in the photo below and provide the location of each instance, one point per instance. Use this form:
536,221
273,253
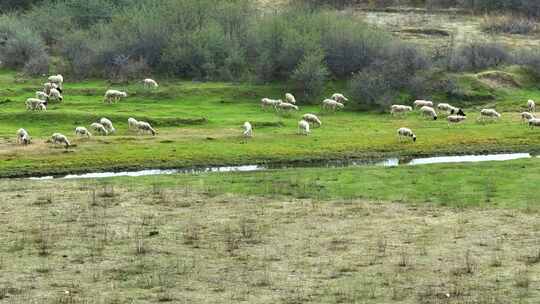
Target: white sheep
99,128
489,113
404,133
535,122
287,106
82,131
339,98
455,119
34,104
145,127
332,104
114,96
23,137
42,95
248,129
531,105
399,109
450,109
132,123
428,111
312,118
303,127
58,138
267,102
57,79
422,103
48,86
290,98
150,83
107,124
55,95
41,107
526,116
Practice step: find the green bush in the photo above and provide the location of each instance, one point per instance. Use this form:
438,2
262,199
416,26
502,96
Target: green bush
310,76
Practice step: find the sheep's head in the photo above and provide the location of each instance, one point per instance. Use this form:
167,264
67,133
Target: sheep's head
435,117
413,138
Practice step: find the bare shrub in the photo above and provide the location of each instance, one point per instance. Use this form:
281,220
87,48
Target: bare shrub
508,24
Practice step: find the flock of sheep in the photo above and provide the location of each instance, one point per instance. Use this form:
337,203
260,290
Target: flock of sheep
52,91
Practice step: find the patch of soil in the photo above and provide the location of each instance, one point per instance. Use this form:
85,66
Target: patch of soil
497,79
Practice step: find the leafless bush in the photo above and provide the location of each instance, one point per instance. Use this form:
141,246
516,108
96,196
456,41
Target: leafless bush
508,24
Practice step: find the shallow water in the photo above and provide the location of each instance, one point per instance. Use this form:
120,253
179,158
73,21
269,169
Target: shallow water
390,162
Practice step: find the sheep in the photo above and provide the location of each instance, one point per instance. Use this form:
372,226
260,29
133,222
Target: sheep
49,85
114,96
535,122
455,119
57,79
99,128
143,126
303,127
526,116
290,98
339,98
42,95
428,111
58,138
267,102
132,123
312,118
398,109
404,133
33,104
23,137
489,113
422,103
55,95
150,83
287,106
248,129
41,107
107,124
531,105
457,111
332,104
82,131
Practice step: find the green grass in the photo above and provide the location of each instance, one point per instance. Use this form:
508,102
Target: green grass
200,124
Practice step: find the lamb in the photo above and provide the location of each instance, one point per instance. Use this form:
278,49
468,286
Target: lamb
267,102
150,83
58,138
82,131
312,118
303,127
526,116
114,96
428,111
422,103
339,98
332,104
287,106
398,109
290,98
248,129
489,113
33,104
145,127
455,119
55,95
531,105
107,124
132,123
23,137
535,122
99,128
404,133
42,95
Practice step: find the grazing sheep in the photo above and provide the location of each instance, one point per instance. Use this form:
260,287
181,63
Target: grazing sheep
332,104
42,95
114,96
450,109
303,127
535,122
99,128
526,116
42,107
107,124
457,111
58,138
339,98
287,106
132,123
150,83
57,79
489,113
312,118
34,104
82,131
290,98
48,86
455,119
143,126
423,103
404,133
23,137
248,129
399,109
267,102
531,105
428,111
55,95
